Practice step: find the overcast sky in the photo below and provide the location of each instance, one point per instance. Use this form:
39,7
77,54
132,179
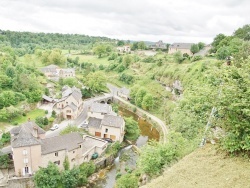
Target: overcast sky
148,20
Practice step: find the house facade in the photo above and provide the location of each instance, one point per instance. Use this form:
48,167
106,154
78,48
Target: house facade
31,150
158,45
71,103
102,122
182,47
124,49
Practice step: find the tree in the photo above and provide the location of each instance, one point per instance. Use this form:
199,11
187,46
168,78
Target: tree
70,129
120,43
96,81
147,102
48,177
142,45
222,52
217,41
70,82
178,57
127,60
132,129
100,50
66,164
243,33
139,96
201,45
127,181
70,178
4,160
194,48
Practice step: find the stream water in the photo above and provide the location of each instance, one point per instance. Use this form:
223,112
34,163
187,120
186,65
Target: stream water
127,157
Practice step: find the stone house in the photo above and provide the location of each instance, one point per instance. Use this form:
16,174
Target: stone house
124,49
158,45
32,150
182,47
98,110
102,122
55,72
71,103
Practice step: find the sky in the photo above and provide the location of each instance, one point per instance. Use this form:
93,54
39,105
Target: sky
140,20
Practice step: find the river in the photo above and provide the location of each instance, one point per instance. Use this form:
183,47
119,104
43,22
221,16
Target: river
126,158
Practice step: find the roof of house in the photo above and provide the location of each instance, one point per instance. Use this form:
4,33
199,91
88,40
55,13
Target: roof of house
181,45
47,98
29,125
112,121
100,108
94,122
65,142
72,106
89,142
50,68
24,136
68,70
77,94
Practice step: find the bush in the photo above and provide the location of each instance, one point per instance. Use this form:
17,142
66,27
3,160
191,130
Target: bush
51,119
53,114
196,58
5,138
4,161
127,181
46,112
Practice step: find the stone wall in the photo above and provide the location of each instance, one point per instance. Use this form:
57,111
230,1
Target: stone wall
20,183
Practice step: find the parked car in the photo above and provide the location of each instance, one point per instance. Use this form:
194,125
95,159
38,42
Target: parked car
56,126
109,140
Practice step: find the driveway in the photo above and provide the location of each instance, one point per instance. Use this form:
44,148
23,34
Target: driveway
61,126
48,107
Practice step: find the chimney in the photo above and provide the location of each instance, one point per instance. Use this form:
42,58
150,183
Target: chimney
35,132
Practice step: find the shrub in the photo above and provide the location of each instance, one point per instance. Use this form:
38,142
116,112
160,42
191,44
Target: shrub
46,112
53,114
196,58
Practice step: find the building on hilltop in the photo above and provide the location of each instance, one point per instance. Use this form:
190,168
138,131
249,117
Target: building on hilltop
32,150
182,47
158,45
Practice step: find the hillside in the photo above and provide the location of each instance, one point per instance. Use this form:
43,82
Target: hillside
205,167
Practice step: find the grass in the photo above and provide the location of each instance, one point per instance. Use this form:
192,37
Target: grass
206,167
22,119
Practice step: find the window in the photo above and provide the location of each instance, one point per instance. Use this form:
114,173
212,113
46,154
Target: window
57,162
106,130
56,154
68,111
73,151
66,102
80,146
26,169
25,160
72,160
25,152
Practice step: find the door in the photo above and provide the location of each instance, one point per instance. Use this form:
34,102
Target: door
98,134
68,116
106,136
113,137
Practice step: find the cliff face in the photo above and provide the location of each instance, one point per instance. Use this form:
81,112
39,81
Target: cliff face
205,167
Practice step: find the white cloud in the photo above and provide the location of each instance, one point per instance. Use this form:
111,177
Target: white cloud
167,20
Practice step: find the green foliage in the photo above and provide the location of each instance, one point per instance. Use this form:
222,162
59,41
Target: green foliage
42,121
4,161
101,49
126,78
196,58
222,52
96,81
120,43
53,114
243,32
194,48
127,60
87,168
115,107
201,45
217,41
139,96
113,148
49,177
66,164
69,81
178,57
5,138
147,102
86,93
70,178
132,129
70,129
127,181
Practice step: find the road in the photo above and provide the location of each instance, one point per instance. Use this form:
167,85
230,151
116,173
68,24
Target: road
61,126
